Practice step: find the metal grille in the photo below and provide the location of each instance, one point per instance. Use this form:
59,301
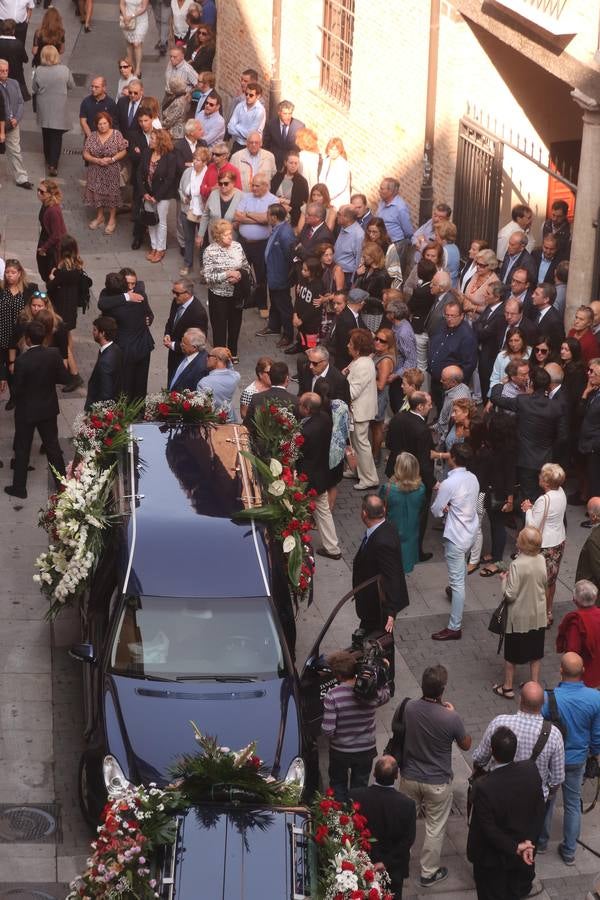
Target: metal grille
336,49
478,185
28,823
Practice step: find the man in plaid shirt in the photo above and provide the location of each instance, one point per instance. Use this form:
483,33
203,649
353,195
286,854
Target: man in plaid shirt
527,725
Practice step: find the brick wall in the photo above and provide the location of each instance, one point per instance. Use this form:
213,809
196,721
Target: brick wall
384,125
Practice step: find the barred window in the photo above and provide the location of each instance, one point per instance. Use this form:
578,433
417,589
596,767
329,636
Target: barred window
336,52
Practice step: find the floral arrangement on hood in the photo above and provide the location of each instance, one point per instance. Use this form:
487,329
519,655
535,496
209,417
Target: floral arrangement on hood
194,407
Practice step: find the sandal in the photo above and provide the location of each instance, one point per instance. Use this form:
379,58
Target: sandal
95,223
472,567
500,691
110,228
488,571
158,255
486,558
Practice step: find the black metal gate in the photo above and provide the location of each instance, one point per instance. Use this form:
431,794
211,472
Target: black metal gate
478,185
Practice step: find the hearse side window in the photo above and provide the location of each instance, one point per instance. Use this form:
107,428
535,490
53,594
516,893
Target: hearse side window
185,638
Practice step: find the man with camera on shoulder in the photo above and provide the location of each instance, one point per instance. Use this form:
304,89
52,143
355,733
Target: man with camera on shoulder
349,723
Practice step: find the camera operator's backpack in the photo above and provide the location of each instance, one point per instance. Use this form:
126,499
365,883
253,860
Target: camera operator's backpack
395,745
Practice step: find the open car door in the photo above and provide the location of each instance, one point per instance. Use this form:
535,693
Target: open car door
316,678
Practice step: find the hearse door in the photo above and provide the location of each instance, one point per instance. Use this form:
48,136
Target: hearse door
316,678
95,630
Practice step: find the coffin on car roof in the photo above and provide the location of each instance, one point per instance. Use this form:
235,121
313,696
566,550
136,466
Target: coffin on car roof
190,480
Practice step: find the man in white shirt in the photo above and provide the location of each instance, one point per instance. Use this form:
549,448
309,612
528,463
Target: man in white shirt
457,498
521,218
20,12
252,160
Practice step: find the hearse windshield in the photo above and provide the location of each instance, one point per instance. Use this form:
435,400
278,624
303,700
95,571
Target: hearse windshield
186,639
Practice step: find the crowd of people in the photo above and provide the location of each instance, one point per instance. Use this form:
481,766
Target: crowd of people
436,380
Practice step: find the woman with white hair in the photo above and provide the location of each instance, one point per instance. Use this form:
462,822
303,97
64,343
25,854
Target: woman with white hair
175,107
486,263
50,84
548,515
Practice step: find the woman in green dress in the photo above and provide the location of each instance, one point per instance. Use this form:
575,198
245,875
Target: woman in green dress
404,496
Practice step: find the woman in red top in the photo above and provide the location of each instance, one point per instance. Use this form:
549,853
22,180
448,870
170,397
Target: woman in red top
579,631
219,166
52,227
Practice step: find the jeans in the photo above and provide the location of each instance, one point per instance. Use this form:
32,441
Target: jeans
571,791
456,560
358,764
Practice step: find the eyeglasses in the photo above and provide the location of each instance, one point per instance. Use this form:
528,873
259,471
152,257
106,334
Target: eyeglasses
317,362
41,295
42,191
541,350
202,33
251,94
482,265
223,183
125,66
219,154
178,293
380,340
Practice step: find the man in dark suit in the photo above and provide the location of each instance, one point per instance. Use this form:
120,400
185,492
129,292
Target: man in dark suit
588,564
380,553
193,366
546,259
186,146
392,819
589,433
408,432
37,372
489,328
507,817
13,51
517,257
280,378
279,133
314,232
514,317
186,312
314,463
560,398
344,322
317,370
128,107
139,139
105,380
540,425
124,300
548,321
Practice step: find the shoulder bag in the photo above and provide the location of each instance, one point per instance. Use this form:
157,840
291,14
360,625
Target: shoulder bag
498,622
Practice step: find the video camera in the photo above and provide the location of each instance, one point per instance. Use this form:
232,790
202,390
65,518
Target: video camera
372,670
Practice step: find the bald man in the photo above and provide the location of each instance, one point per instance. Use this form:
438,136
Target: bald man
454,387
588,564
578,707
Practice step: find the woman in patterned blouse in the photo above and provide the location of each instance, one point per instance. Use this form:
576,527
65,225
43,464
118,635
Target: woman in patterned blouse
224,262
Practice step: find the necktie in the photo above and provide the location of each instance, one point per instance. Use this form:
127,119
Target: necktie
182,365
131,114
364,541
284,131
178,315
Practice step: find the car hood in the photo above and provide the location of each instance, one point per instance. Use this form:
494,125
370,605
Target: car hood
148,722
243,854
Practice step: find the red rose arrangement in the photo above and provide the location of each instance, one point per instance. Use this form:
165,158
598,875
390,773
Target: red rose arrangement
192,407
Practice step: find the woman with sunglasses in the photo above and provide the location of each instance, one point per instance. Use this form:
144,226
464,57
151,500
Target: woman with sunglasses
220,166
204,54
157,184
261,383
125,77
385,358
40,308
15,293
52,226
486,263
220,204
543,353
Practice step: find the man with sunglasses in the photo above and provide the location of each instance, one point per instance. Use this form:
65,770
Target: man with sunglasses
247,117
187,311
128,108
213,123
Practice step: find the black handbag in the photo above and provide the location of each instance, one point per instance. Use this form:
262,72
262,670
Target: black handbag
147,217
499,621
243,289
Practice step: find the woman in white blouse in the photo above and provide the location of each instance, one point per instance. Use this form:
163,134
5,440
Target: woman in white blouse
179,11
224,262
547,514
362,381
192,204
335,172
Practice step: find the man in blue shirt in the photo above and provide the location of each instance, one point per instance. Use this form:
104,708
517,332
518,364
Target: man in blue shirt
348,247
454,345
579,709
394,211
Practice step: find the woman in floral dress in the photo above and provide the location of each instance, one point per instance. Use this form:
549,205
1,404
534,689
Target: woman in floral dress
102,151
134,15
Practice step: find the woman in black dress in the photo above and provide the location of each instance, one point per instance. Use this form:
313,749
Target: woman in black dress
68,287
16,292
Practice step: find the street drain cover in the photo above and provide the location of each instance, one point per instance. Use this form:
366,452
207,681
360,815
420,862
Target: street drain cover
28,823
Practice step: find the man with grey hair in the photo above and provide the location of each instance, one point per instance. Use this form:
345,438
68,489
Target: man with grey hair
316,428
10,91
194,364
315,232
252,160
318,371
588,564
187,311
489,328
393,210
348,247
454,387
516,257
178,67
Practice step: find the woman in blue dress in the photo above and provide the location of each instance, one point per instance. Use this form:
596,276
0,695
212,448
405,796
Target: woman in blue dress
404,496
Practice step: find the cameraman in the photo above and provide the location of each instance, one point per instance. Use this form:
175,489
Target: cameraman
349,723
